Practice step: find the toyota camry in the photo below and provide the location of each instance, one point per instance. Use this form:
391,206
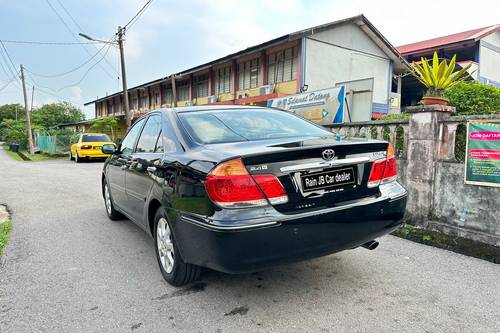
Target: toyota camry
238,188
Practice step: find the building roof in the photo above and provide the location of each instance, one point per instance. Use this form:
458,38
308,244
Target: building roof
434,43
400,64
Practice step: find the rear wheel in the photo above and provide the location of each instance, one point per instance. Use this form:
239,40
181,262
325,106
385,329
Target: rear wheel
70,155
113,214
174,270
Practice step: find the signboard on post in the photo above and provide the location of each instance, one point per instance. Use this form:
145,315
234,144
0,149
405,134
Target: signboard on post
482,160
324,106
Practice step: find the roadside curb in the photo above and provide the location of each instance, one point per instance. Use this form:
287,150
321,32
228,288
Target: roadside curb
455,244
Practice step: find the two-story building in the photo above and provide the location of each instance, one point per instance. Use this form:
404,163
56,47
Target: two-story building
349,52
478,47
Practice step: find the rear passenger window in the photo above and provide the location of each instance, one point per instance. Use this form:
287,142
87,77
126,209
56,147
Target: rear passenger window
150,140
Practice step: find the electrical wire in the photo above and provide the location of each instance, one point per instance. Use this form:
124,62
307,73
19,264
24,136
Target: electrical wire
68,71
76,83
81,30
74,35
9,58
31,42
9,82
137,15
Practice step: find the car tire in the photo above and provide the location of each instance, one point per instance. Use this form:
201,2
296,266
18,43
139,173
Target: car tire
71,156
173,268
112,213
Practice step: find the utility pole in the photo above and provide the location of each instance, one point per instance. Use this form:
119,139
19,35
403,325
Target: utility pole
120,33
28,118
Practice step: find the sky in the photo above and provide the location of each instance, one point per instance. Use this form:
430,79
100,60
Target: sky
172,36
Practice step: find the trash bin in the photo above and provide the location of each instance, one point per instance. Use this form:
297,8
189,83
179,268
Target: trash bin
14,147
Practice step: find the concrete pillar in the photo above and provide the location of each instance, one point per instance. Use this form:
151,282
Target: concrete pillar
423,146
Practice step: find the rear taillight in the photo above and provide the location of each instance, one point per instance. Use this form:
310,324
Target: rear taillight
230,185
384,170
86,147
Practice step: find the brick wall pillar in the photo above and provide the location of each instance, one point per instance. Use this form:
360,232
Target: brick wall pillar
423,145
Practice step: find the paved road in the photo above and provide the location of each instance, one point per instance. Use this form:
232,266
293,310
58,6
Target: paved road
69,269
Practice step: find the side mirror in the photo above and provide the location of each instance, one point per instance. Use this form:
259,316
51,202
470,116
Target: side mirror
108,149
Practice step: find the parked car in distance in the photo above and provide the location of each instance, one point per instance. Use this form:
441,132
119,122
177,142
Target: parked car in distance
238,189
89,146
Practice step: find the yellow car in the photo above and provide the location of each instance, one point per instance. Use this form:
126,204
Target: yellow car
89,147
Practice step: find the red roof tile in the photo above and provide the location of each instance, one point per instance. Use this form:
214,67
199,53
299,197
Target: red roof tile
445,40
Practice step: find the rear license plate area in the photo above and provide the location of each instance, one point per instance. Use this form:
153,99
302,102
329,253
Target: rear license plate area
327,180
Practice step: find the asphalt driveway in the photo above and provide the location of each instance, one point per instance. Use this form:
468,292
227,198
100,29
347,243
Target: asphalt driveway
68,268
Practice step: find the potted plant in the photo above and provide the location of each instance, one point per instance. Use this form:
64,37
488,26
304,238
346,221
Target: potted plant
437,78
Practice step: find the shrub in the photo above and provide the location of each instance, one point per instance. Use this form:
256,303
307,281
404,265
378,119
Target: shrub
399,116
474,98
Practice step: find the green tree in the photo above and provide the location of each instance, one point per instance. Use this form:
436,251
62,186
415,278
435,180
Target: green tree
8,111
14,131
105,125
56,113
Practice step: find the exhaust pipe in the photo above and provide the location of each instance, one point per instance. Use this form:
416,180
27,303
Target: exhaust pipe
371,245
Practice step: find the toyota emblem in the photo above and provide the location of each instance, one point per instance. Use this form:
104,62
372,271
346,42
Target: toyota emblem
328,154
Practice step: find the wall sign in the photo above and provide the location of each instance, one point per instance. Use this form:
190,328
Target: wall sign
482,162
324,106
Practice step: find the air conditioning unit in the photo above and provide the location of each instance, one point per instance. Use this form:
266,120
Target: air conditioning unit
266,90
212,99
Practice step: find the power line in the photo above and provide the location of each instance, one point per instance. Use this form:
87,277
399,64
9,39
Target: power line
73,34
9,82
68,71
9,58
137,15
82,30
76,83
7,41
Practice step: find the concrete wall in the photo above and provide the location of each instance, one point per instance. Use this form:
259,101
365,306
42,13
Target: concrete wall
469,209
489,59
344,54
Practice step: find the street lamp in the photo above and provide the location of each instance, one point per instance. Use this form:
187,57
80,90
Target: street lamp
119,42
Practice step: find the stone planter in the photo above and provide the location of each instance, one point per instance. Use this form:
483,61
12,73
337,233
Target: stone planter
431,100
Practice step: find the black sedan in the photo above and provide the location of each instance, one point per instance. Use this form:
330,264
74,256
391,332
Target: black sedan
239,189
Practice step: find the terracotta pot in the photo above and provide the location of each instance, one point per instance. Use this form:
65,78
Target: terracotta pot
429,100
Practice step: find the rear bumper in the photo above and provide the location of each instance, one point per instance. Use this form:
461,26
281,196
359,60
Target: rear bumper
90,154
285,238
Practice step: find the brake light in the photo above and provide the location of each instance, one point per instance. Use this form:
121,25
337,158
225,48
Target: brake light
272,188
230,185
86,147
384,170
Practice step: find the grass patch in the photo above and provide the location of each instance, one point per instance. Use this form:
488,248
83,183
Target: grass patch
447,242
34,157
5,229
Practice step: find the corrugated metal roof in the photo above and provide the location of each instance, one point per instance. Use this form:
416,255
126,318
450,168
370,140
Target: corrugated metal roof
430,44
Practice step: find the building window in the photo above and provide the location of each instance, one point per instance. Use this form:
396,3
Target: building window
183,90
200,85
144,102
282,66
223,80
167,95
248,74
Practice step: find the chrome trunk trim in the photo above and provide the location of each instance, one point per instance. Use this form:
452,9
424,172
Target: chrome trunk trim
324,164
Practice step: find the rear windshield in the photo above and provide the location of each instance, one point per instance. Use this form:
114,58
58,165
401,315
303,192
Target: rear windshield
95,138
246,125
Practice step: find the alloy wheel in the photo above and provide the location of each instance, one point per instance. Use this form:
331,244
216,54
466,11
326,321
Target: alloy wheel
165,245
107,199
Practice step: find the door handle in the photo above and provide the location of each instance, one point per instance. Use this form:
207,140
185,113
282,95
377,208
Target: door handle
151,169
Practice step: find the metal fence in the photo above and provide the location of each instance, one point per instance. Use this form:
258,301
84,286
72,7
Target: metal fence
53,144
